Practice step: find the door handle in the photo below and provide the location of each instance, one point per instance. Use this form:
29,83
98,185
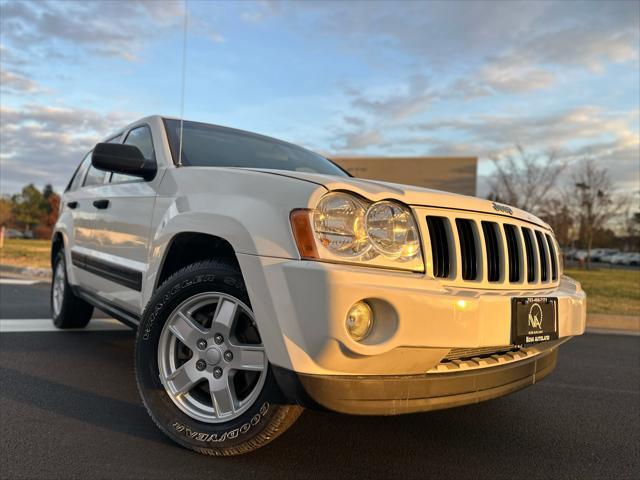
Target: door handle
101,204
72,205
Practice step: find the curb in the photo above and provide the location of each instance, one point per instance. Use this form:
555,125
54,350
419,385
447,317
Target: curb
26,271
602,331
620,323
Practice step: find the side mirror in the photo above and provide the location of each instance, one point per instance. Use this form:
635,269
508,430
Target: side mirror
126,159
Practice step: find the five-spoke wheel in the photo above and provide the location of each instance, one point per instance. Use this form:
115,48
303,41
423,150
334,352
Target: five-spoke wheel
210,357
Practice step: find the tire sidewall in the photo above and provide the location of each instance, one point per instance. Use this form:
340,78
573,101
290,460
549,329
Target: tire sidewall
176,424
57,320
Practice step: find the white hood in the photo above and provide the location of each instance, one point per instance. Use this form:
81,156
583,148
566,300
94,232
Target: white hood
411,195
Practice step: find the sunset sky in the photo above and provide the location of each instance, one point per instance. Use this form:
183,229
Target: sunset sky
360,78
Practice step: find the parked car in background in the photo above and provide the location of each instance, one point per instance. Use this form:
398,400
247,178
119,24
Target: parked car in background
617,259
580,255
598,254
625,258
13,233
607,257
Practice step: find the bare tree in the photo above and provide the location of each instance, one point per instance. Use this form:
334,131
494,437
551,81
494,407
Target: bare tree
629,227
526,180
560,218
592,200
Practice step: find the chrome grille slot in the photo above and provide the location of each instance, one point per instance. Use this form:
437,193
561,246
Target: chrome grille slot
439,246
513,252
469,258
531,261
544,274
493,251
553,255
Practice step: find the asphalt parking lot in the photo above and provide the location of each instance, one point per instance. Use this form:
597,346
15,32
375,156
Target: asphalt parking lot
69,409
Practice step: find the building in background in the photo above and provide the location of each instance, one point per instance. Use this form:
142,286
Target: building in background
452,174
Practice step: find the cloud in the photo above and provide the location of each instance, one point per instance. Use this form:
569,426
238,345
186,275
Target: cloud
260,11
356,140
17,83
111,28
445,33
611,138
414,97
507,76
44,144
579,133
554,130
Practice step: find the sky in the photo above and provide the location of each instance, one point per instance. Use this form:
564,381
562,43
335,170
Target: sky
341,78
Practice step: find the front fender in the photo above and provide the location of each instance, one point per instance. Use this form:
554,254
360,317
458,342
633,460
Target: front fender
250,210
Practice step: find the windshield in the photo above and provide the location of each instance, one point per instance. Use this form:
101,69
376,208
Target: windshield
205,145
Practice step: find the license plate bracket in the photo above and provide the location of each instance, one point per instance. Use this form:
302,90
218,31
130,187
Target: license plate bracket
534,320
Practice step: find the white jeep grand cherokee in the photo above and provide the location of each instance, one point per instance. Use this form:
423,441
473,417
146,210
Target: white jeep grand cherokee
262,278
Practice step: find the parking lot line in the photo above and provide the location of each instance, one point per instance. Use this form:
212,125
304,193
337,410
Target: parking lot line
18,281
46,325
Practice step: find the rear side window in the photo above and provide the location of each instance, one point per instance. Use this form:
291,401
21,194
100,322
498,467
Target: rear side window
76,180
141,138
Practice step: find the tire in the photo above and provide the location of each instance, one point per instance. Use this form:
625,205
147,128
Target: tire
183,398
67,310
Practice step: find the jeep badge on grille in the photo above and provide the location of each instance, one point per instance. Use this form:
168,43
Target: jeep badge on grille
502,208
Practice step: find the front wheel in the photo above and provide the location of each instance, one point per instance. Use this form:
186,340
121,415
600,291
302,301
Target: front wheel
201,368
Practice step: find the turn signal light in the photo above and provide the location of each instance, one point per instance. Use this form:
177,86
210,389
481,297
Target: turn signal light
303,233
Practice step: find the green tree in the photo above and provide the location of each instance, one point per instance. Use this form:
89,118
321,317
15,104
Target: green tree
29,206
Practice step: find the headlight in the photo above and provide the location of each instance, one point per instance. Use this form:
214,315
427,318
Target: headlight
338,222
392,230
346,228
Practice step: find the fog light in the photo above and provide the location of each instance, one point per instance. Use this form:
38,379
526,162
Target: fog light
359,321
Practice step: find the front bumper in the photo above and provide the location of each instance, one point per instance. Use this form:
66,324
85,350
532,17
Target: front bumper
394,395
301,307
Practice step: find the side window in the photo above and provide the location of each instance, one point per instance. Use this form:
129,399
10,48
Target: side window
76,181
141,138
94,177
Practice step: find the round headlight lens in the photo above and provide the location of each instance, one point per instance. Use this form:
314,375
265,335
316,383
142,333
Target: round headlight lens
392,230
338,222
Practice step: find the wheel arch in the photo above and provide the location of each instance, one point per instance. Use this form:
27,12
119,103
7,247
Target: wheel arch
185,248
57,244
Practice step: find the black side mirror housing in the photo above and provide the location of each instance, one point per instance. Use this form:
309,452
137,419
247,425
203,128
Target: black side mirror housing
121,158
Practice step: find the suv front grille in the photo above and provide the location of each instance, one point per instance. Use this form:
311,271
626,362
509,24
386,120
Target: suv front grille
484,250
